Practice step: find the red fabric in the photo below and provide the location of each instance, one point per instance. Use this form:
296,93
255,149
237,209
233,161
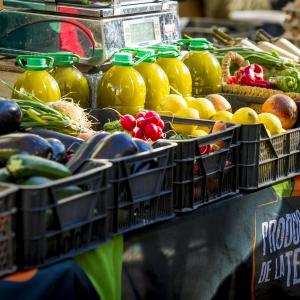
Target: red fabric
69,40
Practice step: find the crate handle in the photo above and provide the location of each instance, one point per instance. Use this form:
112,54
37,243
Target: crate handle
226,62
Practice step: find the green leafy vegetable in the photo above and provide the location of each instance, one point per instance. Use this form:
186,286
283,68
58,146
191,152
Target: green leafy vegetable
113,126
180,136
285,83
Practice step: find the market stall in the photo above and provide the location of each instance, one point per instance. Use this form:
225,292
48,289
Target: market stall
138,165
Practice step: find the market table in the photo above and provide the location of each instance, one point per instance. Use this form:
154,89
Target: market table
217,252
229,249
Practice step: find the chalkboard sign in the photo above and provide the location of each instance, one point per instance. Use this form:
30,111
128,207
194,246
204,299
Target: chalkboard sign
276,248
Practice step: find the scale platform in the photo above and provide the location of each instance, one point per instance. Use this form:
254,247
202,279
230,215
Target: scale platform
92,29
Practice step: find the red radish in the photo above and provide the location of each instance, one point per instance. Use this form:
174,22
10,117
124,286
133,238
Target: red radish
128,122
205,149
161,124
153,120
151,113
161,133
137,133
157,121
140,114
141,122
152,132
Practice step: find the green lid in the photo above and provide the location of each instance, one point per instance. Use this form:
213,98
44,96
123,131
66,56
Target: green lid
151,58
167,51
122,59
35,62
64,59
200,44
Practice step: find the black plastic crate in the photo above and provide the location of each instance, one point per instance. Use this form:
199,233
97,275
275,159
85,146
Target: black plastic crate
264,160
52,227
7,229
142,186
199,178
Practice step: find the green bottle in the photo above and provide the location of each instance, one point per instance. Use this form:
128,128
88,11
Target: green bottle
204,67
156,80
71,81
36,79
122,87
178,73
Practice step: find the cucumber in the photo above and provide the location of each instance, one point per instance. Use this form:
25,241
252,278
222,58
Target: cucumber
36,180
69,191
4,175
24,166
61,194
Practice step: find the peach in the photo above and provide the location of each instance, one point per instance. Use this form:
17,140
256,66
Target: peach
219,102
219,126
284,108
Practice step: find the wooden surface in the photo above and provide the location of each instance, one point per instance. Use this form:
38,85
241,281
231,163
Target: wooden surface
9,73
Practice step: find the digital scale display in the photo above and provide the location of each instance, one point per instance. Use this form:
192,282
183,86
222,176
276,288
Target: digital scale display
142,31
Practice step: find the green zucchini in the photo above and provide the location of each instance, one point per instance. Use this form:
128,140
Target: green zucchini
37,180
61,194
4,175
69,191
24,166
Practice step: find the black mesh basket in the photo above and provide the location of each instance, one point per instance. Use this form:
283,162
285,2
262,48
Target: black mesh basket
7,229
264,160
53,226
142,186
200,178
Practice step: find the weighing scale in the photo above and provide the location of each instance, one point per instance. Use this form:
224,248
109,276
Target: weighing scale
93,29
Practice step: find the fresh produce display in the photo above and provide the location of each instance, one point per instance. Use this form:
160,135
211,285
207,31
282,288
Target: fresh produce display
145,125
252,75
70,142
284,108
23,143
115,146
62,116
23,166
10,116
270,61
204,107
59,151
245,115
287,80
219,102
271,66
108,146
156,96
278,113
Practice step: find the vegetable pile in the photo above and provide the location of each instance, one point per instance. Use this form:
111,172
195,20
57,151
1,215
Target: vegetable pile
147,126
64,116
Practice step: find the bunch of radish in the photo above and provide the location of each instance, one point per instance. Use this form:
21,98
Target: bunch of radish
145,125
